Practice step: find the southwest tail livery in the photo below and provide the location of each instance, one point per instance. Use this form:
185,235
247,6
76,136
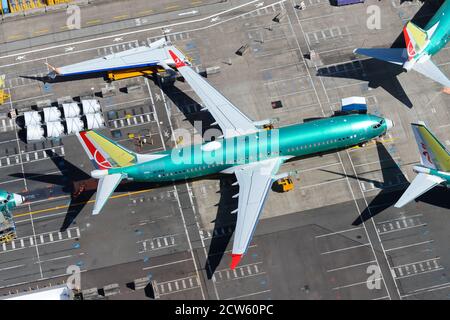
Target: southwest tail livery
421,45
434,166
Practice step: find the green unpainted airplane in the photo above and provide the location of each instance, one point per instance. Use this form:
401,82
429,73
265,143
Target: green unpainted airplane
9,201
253,154
434,166
421,45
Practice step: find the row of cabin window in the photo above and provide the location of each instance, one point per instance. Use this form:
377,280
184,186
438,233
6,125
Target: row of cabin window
320,143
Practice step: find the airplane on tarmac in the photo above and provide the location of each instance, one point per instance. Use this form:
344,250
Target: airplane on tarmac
421,45
9,201
253,154
434,166
138,61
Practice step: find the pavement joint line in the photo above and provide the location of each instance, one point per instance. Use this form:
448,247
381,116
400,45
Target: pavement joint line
347,248
351,266
381,298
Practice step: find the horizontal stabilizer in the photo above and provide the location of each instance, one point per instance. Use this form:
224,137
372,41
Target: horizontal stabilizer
422,183
106,187
430,70
391,55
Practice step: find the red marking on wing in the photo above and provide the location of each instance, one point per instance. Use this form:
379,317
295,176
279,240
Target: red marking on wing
178,62
97,156
235,258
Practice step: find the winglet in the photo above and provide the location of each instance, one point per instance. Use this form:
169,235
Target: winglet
178,62
235,258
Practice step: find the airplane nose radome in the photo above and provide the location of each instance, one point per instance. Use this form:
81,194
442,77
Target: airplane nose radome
389,124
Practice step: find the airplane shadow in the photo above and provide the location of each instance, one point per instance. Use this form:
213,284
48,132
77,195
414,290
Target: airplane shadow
62,79
392,176
224,220
376,73
69,174
379,73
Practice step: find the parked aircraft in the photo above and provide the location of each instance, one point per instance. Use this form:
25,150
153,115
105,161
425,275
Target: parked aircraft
253,154
9,201
434,168
421,45
129,63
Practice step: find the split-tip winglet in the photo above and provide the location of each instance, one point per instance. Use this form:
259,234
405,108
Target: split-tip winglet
235,258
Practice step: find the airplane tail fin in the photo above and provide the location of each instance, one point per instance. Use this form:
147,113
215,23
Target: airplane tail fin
432,153
416,39
106,154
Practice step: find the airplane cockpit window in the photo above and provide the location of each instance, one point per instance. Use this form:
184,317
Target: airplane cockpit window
379,124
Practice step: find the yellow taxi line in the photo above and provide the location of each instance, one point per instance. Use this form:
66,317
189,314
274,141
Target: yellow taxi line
80,203
172,7
93,21
121,17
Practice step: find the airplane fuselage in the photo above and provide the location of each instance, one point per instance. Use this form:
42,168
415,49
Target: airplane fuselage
299,140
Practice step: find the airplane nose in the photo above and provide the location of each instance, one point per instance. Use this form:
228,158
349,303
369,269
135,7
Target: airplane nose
389,124
18,199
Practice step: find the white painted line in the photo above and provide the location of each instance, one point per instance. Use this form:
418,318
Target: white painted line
401,229
51,237
348,248
183,282
351,266
248,295
337,232
78,232
356,284
31,241
59,235
22,244
41,237
419,273
410,245
69,234
13,244
4,246
13,267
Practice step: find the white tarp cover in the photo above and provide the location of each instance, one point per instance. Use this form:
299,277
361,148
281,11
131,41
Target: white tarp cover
52,114
71,110
94,121
32,118
35,133
90,106
74,125
57,293
353,100
54,129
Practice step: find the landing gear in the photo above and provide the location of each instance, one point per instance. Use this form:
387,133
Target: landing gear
362,145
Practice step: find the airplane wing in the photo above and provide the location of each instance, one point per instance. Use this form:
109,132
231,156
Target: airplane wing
141,57
255,180
106,187
391,55
421,184
230,119
430,70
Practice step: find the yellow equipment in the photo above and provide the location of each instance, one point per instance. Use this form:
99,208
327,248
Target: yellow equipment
286,184
8,237
268,127
131,73
3,96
